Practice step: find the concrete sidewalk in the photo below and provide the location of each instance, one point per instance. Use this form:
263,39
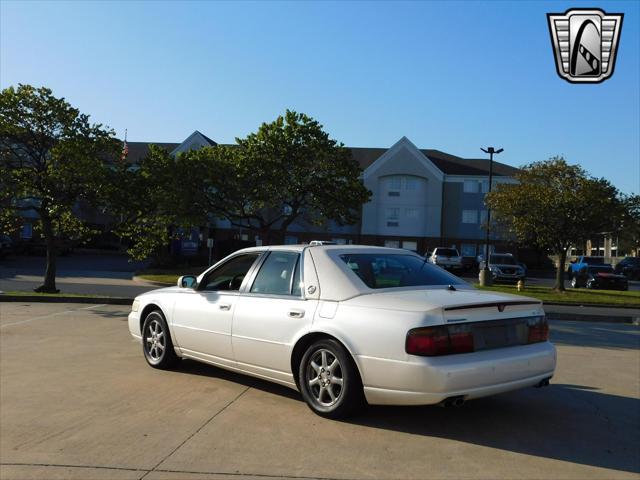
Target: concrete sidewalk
593,314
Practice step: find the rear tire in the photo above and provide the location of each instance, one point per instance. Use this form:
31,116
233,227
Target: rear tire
329,380
156,342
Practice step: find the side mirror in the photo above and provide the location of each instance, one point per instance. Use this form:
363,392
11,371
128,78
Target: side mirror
187,281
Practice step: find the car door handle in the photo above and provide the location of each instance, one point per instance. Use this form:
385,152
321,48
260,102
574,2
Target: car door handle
296,313
225,306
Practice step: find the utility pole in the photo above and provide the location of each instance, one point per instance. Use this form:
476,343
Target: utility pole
485,277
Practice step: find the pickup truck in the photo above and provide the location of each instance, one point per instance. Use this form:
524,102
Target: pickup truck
582,263
445,257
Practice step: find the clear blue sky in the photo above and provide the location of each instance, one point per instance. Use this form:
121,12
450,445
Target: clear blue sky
451,76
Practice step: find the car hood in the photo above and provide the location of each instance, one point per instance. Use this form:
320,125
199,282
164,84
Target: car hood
433,298
175,289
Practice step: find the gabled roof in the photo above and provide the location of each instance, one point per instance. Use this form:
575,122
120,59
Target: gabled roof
445,162
139,150
452,165
211,142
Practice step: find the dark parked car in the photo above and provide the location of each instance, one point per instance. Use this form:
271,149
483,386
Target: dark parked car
505,268
601,277
629,267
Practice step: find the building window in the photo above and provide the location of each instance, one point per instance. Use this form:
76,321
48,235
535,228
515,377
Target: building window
468,250
411,212
411,183
410,245
290,240
469,216
471,186
394,194
392,243
26,231
395,183
393,215
484,186
483,217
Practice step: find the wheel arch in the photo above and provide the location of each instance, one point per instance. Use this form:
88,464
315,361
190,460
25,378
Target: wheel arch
150,307
307,339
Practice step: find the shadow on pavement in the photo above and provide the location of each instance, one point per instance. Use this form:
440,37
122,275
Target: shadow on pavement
605,335
572,423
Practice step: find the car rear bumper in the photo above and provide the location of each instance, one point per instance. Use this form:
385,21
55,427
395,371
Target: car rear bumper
429,380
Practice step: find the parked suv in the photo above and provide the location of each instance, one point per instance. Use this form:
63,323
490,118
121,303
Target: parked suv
629,267
504,268
445,257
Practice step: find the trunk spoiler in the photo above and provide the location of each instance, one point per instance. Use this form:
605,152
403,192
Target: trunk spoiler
500,305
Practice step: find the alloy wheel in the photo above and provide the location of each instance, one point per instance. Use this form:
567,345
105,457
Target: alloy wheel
155,340
324,376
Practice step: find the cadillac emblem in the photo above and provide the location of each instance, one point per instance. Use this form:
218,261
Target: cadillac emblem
585,42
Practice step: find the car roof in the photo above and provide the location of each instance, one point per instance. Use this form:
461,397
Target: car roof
346,248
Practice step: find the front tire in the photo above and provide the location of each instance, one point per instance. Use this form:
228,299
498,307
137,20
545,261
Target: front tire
329,380
156,342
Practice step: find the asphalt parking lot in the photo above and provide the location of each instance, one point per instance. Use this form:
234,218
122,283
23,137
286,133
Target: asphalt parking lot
77,400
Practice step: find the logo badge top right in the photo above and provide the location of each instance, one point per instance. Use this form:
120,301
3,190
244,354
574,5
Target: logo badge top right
585,43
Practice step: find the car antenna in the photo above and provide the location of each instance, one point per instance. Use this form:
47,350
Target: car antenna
452,288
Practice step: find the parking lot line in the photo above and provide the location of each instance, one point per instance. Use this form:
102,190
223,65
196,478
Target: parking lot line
42,317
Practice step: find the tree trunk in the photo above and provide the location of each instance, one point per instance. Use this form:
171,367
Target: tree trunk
265,236
559,286
49,285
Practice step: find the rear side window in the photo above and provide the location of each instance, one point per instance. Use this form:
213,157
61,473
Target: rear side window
391,270
278,275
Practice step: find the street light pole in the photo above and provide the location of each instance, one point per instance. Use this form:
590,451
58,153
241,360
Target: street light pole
485,275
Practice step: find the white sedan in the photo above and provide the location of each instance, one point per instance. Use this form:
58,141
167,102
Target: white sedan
348,324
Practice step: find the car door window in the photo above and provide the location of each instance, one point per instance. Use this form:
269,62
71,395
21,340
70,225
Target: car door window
277,275
230,275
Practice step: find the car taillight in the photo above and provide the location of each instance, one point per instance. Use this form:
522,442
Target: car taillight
441,340
538,329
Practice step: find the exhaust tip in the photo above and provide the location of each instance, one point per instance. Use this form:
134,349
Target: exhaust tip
543,383
452,402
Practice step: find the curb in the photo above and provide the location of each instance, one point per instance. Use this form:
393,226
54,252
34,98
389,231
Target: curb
585,317
135,278
596,305
46,299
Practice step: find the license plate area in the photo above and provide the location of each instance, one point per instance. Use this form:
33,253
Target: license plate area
500,333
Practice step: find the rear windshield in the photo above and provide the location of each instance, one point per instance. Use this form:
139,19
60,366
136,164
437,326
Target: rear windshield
594,260
397,270
502,260
447,252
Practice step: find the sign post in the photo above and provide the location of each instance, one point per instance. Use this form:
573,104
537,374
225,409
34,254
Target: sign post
210,246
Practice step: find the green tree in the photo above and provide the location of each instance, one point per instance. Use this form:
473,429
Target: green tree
629,231
555,205
289,169
149,200
51,157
